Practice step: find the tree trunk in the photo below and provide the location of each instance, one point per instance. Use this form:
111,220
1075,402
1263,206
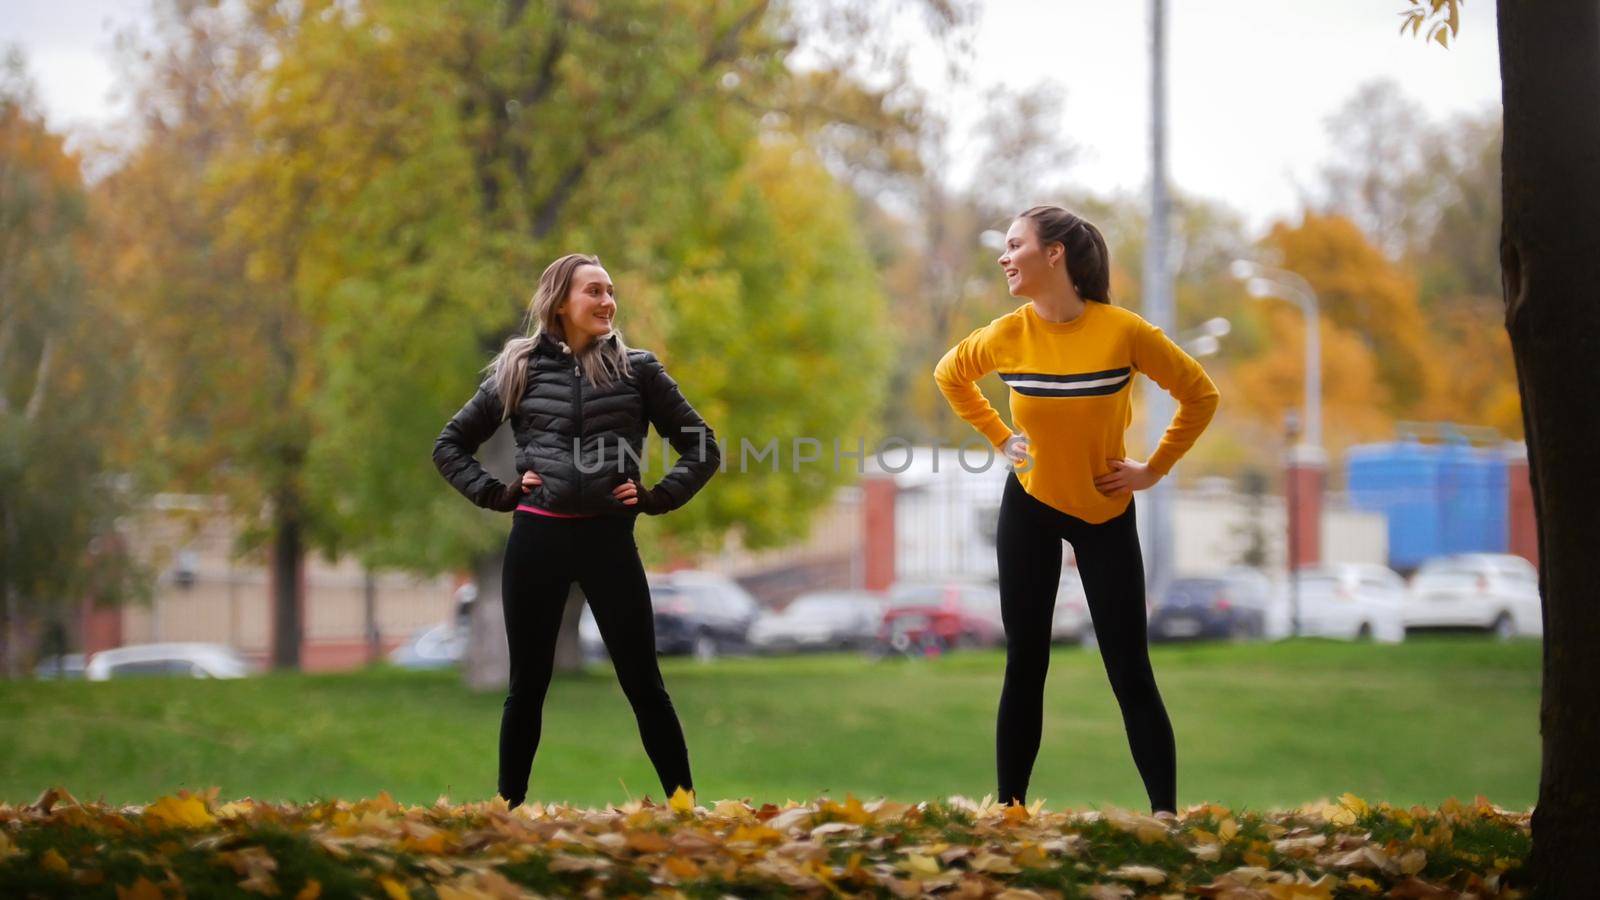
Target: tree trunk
487,666
1550,262
8,612
369,628
569,652
288,554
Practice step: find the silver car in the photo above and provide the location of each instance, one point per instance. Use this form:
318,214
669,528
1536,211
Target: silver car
1495,592
838,620
184,660
1348,601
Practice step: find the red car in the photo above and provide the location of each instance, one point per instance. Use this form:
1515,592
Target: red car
928,619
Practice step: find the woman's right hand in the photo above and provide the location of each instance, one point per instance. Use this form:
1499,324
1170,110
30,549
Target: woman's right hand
530,480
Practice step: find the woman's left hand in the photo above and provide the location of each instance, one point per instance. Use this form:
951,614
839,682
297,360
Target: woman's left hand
1125,477
627,492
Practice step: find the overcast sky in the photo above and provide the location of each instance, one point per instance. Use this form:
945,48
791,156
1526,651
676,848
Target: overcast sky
1250,81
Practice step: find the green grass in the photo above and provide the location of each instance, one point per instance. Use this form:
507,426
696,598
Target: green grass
1262,725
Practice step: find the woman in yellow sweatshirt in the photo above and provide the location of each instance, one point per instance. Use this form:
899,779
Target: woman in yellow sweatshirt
1068,357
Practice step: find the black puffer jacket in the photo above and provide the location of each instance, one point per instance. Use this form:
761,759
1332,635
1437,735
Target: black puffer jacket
581,440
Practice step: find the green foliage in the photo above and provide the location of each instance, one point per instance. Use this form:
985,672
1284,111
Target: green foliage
61,371
387,191
777,321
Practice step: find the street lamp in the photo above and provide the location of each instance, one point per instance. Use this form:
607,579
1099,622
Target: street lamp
1263,281
1305,435
1204,341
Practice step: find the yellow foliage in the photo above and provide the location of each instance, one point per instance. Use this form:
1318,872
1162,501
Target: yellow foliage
52,861
460,852
183,811
682,801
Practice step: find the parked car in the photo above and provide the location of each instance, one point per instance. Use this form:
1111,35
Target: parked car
838,620
67,667
1497,592
978,599
434,647
1232,604
1346,601
703,614
188,660
932,617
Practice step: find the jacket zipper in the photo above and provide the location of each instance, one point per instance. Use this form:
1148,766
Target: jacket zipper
577,416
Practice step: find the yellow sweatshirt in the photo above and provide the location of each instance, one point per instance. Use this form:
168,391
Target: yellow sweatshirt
1072,397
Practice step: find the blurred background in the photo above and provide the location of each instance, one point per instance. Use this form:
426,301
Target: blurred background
256,253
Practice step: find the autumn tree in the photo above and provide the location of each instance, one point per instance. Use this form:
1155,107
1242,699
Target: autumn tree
1363,292
385,192
61,374
225,357
1427,194
1378,142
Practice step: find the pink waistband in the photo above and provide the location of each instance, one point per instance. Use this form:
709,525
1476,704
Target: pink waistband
554,515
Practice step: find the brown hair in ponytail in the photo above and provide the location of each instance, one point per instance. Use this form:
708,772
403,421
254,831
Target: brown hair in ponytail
1088,260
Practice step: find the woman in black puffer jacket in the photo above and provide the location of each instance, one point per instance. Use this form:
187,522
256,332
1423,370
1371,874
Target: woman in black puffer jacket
579,402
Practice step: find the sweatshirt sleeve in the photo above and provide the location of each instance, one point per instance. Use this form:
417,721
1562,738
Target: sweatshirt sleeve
956,373
1180,375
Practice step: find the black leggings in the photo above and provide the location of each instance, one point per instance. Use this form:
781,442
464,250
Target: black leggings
544,555
1029,549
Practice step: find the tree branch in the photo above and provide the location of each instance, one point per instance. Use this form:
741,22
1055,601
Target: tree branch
721,49
514,11
5,341
545,78
30,413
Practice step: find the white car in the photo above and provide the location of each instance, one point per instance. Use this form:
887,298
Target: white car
821,620
434,647
187,660
1348,601
1497,592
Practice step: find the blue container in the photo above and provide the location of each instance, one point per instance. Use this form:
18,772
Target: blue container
1474,502
1400,480
1438,498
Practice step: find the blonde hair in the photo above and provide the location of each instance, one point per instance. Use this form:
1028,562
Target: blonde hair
603,362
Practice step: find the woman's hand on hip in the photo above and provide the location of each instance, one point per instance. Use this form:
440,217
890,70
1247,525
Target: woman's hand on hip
627,492
1017,450
1125,477
530,480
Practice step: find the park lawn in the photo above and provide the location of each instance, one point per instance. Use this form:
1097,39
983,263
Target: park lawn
1258,726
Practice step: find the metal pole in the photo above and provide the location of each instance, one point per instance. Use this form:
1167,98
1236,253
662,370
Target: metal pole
1158,550
1292,491
1313,426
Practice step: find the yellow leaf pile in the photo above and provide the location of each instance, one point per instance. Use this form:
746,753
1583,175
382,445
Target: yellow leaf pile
190,845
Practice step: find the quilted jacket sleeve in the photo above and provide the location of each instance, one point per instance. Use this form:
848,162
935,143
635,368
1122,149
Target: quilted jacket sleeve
453,452
677,421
